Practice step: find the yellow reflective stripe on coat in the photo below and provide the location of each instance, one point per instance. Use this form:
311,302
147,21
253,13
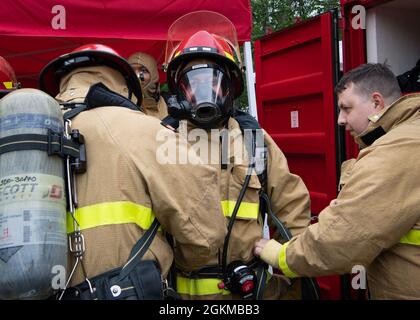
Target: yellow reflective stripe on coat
199,287
283,264
247,210
108,213
413,237
203,286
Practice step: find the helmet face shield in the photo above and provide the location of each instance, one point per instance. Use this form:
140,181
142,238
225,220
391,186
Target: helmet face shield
207,35
207,90
204,84
216,24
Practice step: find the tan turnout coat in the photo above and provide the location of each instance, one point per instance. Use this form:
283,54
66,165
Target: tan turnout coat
375,220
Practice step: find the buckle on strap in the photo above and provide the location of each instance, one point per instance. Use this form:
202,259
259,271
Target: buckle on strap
168,292
79,247
74,147
54,143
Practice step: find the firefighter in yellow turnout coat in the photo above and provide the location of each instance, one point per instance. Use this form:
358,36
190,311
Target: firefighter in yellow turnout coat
205,79
125,186
375,220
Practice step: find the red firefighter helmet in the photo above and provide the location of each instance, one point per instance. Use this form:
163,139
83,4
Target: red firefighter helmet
203,44
8,79
88,55
203,34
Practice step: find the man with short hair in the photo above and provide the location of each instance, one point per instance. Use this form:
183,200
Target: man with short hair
375,220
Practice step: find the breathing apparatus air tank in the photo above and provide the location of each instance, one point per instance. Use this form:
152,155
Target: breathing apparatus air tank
33,240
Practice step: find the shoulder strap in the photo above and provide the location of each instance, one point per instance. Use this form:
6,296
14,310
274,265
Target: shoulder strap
250,127
100,96
246,121
140,248
249,123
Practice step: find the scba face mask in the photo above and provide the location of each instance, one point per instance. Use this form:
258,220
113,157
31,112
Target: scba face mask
204,96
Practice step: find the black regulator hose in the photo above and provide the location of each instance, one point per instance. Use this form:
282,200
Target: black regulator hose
232,220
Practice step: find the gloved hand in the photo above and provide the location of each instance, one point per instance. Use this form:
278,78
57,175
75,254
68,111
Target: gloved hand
268,251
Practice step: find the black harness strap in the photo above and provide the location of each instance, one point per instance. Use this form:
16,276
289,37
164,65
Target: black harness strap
80,107
53,143
246,121
141,246
262,280
214,271
124,273
249,127
100,96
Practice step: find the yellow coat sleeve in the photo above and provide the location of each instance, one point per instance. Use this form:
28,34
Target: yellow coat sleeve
378,205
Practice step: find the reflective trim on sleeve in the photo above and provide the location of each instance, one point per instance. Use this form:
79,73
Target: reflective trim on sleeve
283,264
109,213
247,210
413,238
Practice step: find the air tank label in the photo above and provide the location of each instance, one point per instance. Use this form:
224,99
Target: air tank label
30,120
32,210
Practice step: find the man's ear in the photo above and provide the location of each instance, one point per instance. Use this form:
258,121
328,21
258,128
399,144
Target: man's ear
378,100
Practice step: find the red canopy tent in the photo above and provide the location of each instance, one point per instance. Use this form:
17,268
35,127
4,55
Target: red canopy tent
30,34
